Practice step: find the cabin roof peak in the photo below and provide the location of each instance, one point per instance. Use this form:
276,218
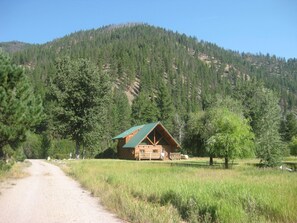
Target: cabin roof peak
143,131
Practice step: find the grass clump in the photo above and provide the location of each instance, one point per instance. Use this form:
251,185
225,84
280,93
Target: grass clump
162,192
13,170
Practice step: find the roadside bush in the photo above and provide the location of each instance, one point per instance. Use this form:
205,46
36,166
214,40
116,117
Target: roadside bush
33,146
8,152
108,153
60,156
19,155
4,166
10,156
61,149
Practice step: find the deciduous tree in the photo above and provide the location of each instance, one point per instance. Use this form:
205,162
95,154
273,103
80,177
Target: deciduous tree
81,95
232,136
267,122
221,130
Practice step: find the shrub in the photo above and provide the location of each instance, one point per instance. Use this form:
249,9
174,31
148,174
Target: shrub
33,146
4,166
19,155
61,149
293,146
108,153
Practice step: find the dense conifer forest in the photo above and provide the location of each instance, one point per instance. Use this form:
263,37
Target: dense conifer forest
146,74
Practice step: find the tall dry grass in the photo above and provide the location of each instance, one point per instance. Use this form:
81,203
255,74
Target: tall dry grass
189,191
14,171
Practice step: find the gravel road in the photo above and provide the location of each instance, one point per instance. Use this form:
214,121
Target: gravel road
47,196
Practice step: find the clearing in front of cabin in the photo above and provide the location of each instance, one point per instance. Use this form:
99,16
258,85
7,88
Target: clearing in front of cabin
189,191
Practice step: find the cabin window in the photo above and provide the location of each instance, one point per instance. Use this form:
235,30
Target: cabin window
142,151
155,151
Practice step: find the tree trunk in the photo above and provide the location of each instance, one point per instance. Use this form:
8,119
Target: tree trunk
226,162
1,153
77,147
211,161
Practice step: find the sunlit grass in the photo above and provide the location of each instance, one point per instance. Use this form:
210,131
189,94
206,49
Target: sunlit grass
190,190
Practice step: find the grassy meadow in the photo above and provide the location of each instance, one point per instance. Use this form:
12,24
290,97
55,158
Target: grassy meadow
189,191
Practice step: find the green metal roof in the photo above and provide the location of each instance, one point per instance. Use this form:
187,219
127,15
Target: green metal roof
140,136
128,132
144,130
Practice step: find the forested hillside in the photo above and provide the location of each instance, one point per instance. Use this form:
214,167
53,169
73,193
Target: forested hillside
13,46
156,74
141,56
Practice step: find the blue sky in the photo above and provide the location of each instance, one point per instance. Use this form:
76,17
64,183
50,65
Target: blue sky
266,26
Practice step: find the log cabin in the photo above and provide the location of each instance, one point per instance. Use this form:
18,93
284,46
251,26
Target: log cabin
150,141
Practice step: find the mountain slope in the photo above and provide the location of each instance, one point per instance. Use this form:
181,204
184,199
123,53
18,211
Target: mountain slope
140,57
13,46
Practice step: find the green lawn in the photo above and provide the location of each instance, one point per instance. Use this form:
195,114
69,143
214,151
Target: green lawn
190,191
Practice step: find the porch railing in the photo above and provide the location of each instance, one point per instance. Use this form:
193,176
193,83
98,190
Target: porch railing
149,156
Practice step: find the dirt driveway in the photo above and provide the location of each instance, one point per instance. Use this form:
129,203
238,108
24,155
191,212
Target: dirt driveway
48,195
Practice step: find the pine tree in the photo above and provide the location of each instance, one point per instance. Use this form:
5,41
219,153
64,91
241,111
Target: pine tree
290,127
120,112
165,107
20,109
144,109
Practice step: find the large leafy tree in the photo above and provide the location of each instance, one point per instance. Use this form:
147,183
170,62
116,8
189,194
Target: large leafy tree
81,95
221,131
20,109
232,136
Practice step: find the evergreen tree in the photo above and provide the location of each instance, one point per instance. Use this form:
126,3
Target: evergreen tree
120,112
197,133
293,146
144,109
20,109
81,94
179,127
165,107
290,127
